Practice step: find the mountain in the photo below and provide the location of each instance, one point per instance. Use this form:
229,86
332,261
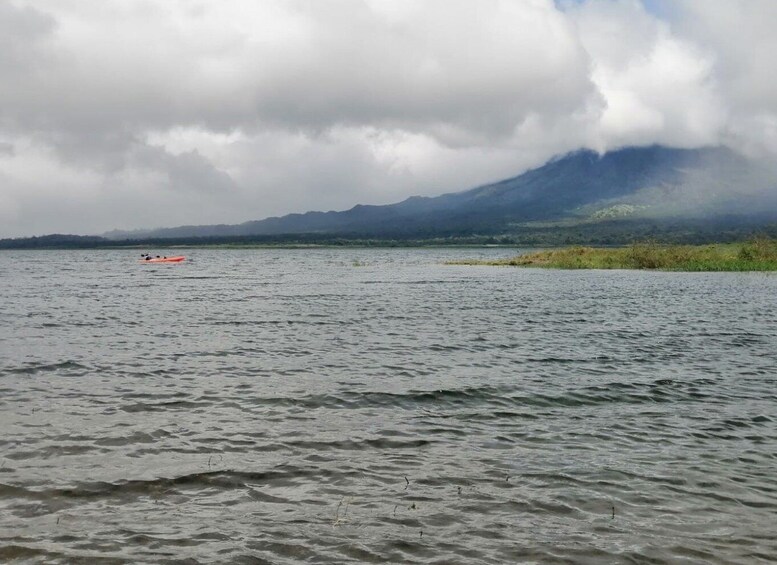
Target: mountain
638,183
632,194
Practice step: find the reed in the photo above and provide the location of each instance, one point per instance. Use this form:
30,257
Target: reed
757,254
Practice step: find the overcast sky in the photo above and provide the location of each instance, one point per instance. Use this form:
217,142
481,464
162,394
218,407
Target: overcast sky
139,114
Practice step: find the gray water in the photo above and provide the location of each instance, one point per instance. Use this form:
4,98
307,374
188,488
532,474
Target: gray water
333,406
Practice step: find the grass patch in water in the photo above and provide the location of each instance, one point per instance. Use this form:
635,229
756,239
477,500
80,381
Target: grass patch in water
759,254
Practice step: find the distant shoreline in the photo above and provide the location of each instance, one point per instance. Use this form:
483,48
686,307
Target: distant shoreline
758,254
550,239
347,245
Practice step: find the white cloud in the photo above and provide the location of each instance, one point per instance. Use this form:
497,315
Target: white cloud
740,34
127,114
657,88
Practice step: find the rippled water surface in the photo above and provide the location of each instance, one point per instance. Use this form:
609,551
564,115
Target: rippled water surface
331,406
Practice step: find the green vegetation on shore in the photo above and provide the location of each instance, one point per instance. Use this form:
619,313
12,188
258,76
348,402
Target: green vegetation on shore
758,254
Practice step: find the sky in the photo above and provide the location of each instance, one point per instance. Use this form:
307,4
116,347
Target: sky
132,114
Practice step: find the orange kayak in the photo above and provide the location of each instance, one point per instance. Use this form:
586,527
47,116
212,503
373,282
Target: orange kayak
176,259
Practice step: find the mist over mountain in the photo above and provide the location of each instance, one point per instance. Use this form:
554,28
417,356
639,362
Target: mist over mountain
582,187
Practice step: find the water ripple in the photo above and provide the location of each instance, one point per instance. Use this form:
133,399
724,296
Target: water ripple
278,406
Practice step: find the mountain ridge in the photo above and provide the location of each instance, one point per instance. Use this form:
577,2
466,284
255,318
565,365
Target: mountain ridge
692,195
554,191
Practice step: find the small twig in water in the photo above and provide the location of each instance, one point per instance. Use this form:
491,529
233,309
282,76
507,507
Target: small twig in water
613,513
221,458
395,509
408,483
344,518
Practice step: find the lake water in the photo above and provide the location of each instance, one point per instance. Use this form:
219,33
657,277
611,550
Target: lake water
368,406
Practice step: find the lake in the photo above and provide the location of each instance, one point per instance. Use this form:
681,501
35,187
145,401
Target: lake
377,405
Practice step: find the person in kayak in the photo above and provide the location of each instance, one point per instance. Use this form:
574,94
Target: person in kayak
161,259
